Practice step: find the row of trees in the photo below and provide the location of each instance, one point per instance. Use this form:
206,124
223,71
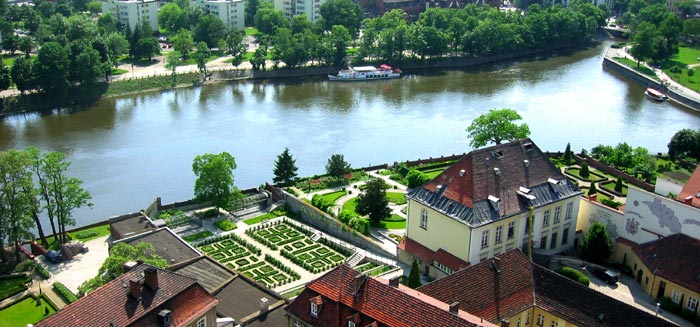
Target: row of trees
635,161
656,31
34,186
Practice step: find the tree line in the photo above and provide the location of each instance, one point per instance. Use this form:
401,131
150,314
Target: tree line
36,186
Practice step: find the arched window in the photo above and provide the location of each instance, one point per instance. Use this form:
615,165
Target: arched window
424,219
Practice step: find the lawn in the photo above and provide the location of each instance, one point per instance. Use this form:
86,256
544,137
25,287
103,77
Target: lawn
591,177
611,187
393,224
118,71
91,233
687,56
633,64
600,196
432,173
12,285
252,31
191,60
255,220
333,196
8,60
350,205
26,312
396,197
197,236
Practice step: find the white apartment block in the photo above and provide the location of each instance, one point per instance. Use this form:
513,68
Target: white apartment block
230,12
133,12
293,8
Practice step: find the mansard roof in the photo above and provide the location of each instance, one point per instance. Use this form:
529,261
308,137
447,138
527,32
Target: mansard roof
494,182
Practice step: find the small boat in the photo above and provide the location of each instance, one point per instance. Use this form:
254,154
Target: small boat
655,94
366,73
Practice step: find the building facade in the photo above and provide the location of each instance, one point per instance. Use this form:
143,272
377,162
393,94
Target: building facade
293,8
133,13
485,204
230,12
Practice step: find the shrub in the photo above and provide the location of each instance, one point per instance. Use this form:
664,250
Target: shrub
574,275
691,72
668,304
86,234
688,314
618,185
611,203
64,292
213,212
197,236
416,178
42,271
225,225
402,169
592,190
584,172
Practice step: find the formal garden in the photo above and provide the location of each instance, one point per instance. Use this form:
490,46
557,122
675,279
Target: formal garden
28,309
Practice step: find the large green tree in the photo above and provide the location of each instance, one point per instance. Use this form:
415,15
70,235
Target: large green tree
183,42
215,180
596,245
345,13
200,57
172,18
337,166
22,74
285,169
15,201
5,79
496,126
373,202
210,29
685,143
52,68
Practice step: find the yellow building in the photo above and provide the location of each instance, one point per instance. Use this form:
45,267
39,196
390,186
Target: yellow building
668,267
481,207
510,288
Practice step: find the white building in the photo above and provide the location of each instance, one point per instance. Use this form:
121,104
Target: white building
133,12
293,8
230,12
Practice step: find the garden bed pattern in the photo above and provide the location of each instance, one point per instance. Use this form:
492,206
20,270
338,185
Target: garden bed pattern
243,258
295,245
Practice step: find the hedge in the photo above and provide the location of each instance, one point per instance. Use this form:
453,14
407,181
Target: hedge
64,292
574,275
45,274
225,225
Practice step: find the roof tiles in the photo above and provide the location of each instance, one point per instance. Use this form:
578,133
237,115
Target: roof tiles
675,258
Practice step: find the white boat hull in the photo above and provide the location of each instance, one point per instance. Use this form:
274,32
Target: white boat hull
362,78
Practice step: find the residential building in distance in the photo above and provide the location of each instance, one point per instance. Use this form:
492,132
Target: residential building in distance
481,207
144,296
667,267
133,13
511,288
230,12
343,297
293,8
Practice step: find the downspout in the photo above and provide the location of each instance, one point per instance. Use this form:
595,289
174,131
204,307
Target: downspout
532,228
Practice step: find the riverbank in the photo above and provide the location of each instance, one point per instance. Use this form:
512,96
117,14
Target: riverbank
161,79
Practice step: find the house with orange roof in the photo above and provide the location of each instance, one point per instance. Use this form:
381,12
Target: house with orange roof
144,296
345,298
491,201
511,288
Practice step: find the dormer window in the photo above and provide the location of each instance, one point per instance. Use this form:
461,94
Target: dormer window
316,303
314,309
498,154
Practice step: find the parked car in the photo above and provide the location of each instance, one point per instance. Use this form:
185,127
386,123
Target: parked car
54,256
605,275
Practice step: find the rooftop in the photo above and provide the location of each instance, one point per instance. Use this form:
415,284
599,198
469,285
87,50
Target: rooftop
675,258
130,225
690,194
166,244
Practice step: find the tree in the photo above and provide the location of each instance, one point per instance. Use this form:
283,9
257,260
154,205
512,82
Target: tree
117,45
52,68
183,42
496,126
267,19
414,276
5,79
15,202
258,59
201,56
172,18
107,23
171,62
210,29
236,46
147,47
647,39
25,45
593,189
373,202
685,143
567,153
686,7
88,66
584,172
596,245
285,169
339,40
113,266
618,185
337,166
345,13
94,7
215,180
22,74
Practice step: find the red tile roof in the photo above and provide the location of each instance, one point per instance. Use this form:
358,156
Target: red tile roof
691,189
427,255
112,303
376,303
517,284
675,258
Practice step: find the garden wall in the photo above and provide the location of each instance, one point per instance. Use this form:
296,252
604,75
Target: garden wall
310,215
580,158
431,160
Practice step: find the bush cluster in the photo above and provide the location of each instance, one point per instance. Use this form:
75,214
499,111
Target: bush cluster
575,275
335,247
279,265
251,247
213,212
42,271
62,290
225,225
86,234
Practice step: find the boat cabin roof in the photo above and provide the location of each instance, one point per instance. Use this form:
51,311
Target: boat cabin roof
364,68
655,92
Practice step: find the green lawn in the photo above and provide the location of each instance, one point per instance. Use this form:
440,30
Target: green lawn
394,224
8,60
12,285
591,176
135,62
117,71
611,187
191,61
255,220
687,56
633,64
91,233
396,197
432,173
600,196
252,31
350,205
26,312
197,236
333,196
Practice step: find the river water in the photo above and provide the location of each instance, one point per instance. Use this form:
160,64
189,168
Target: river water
130,149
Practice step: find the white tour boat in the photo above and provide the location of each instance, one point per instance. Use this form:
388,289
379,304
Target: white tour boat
366,73
655,94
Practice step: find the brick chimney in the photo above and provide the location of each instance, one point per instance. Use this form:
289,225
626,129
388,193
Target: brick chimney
394,282
688,200
135,288
454,307
151,276
264,305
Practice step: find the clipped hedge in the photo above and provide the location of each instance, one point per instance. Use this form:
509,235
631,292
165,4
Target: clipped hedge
225,225
45,274
64,292
574,275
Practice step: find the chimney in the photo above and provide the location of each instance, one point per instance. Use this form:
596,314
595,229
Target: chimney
497,171
527,163
151,276
454,307
264,305
505,323
688,200
394,282
135,288
461,173
129,265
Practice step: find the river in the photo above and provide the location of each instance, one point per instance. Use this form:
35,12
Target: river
130,149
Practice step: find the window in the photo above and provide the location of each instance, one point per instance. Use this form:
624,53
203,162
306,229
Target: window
499,234
543,243
540,320
545,219
553,241
484,239
557,214
565,236
424,219
442,267
527,318
569,210
314,309
202,323
351,324
676,296
297,323
517,323
555,324
511,229
692,304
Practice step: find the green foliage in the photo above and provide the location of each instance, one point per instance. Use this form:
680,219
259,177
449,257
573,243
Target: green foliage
337,166
215,181
12,285
64,292
416,178
414,276
618,185
225,225
496,126
685,144
373,202
596,245
197,236
209,213
285,169
574,275
29,310
396,198
321,203
584,172
611,203
42,271
592,190
668,304
567,154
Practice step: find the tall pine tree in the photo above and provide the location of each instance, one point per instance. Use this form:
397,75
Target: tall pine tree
285,169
